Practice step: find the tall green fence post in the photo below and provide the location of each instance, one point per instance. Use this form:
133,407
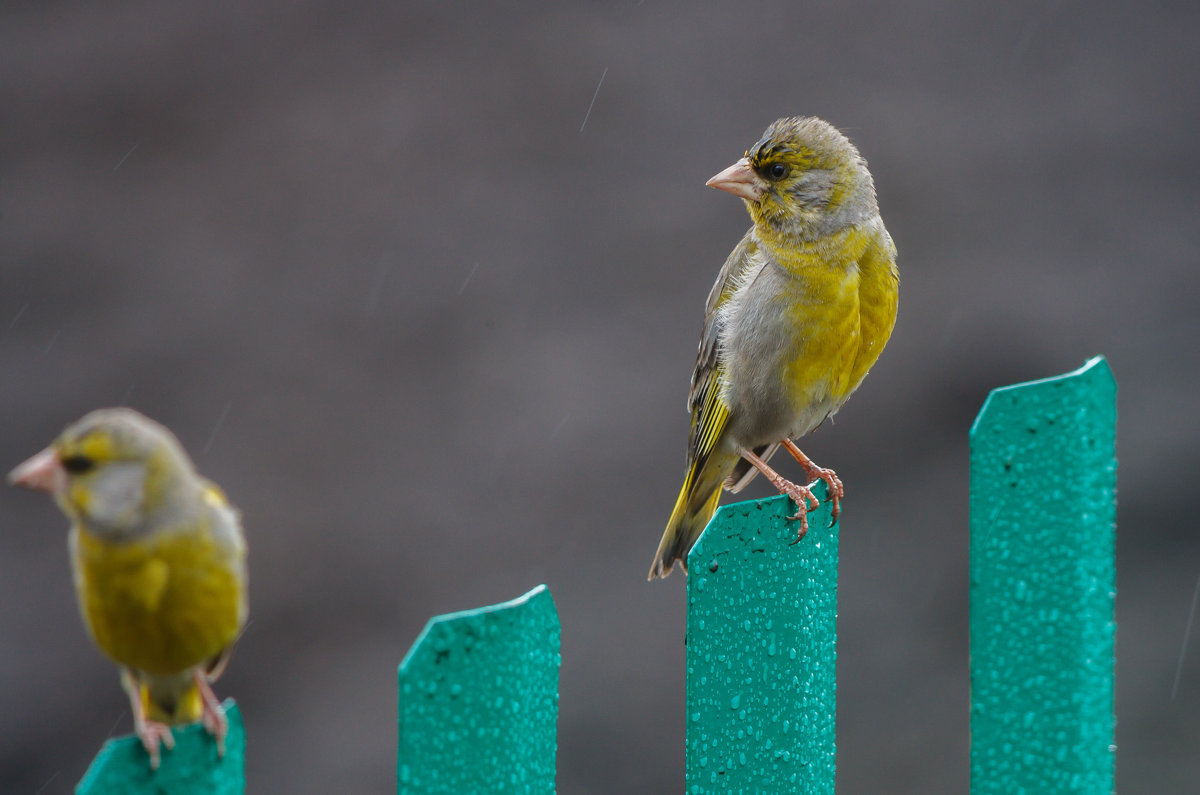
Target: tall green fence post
479,701
762,651
1043,514
192,767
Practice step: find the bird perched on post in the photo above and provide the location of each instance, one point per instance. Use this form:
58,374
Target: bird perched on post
159,563
801,310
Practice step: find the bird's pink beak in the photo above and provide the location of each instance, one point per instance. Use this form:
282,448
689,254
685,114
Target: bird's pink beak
740,180
43,472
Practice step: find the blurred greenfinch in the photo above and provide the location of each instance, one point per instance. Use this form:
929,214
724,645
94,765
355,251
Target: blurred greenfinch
800,311
159,563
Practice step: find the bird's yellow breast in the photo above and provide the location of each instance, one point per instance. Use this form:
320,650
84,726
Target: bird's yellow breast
843,312
160,604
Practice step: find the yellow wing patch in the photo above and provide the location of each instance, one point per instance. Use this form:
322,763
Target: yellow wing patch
710,414
214,496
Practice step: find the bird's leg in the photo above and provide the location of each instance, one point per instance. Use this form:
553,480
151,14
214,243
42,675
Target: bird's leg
814,472
212,714
801,495
150,732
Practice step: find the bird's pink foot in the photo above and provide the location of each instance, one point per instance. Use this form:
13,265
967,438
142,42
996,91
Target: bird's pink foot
212,714
805,501
152,734
836,489
801,495
813,472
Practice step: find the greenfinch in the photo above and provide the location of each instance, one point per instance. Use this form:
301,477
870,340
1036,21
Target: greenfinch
159,563
800,311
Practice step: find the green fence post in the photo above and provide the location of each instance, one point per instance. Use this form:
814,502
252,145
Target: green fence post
1043,512
479,701
192,767
761,651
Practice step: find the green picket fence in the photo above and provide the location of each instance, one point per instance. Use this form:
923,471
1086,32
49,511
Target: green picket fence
1043,584
478,692
192,767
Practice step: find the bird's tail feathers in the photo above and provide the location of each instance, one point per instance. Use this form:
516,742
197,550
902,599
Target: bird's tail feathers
695,506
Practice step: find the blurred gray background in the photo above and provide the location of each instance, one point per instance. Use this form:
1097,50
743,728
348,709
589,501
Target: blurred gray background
433,334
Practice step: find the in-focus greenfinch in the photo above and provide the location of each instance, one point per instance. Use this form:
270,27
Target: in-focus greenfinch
800,311
159,562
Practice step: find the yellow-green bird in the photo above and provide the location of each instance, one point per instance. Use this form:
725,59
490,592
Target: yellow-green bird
159,562
801,310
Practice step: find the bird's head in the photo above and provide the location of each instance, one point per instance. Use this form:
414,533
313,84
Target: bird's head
803,179
111,471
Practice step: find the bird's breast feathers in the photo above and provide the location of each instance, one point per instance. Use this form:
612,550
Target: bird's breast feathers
804,324
161,603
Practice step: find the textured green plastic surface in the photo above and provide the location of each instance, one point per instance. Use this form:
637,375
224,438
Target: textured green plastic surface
479,701
192,767
1043,513
762,651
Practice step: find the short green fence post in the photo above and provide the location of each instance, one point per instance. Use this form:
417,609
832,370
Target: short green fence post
762,651
479,701
1043,513
192,767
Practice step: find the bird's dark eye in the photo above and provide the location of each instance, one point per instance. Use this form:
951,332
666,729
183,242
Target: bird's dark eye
77,464
777,171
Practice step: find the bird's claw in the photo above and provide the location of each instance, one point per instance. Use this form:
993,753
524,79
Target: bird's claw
803,517
813,472
216,724
212,714
152,734
836,489
805,501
